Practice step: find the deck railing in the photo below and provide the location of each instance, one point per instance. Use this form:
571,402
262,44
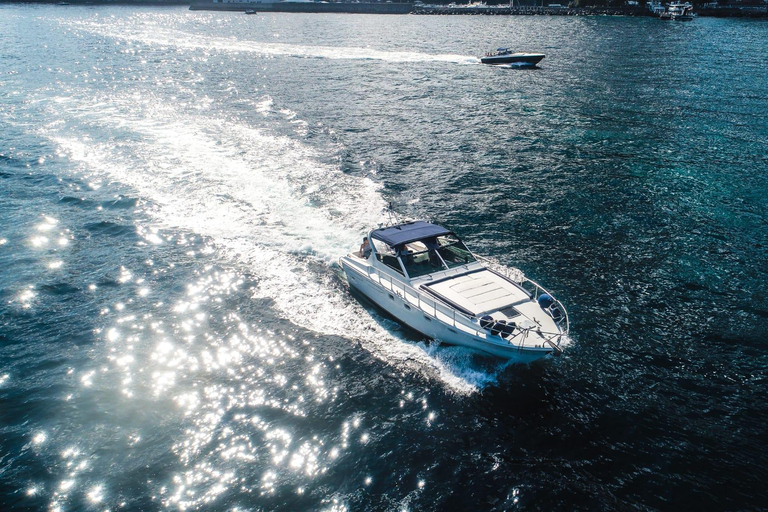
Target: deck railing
449,315
535,289
433,308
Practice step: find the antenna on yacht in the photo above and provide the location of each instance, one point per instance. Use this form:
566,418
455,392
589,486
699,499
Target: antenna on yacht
391,215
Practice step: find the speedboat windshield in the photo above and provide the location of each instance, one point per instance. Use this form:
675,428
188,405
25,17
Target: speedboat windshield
419,248
425,256
453,251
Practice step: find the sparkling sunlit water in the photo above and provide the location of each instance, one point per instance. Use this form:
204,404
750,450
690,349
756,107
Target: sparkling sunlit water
177,187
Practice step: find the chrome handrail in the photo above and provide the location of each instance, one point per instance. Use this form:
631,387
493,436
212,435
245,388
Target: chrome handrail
435,305
518,277
452,312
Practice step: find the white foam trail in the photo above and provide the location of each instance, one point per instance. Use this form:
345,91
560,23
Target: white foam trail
165,37
254,195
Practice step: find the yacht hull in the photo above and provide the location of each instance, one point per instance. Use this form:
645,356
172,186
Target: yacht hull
405,307
521,60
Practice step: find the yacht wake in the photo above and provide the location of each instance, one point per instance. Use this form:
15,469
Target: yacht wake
253,194
158,37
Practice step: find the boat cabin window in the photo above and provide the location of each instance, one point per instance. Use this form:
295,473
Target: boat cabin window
387,255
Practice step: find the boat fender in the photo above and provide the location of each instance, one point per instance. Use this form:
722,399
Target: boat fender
508,329
498,327
486,322
545,300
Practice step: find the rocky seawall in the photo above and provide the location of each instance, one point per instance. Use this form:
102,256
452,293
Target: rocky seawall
337,7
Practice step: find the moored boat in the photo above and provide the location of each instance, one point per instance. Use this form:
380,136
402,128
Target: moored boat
678,12
507,56
424,275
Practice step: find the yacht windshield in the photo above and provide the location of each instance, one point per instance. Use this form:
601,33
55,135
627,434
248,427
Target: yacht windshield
420,259
453,251
434,254
423,257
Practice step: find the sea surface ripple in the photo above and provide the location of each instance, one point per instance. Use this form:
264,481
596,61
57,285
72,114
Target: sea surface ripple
177,188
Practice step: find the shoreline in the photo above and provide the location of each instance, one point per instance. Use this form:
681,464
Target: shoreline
406,8
308,7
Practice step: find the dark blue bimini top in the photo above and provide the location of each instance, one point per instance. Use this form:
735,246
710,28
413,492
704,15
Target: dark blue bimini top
410,232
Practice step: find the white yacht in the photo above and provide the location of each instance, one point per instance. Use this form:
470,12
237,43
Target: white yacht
423,275
677,11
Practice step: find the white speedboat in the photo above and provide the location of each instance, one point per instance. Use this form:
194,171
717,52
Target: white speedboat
424,276
677,11
507,56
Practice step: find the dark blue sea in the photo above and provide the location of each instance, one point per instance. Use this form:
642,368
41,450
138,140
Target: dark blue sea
176,188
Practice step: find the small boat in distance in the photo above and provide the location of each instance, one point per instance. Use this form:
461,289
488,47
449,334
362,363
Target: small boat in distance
678,12
251,11
507,56
425,277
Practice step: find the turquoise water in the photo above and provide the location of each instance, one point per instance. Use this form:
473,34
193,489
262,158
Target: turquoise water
177,188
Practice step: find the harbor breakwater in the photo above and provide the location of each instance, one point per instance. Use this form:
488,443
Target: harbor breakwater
722,11
410,8
306,7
